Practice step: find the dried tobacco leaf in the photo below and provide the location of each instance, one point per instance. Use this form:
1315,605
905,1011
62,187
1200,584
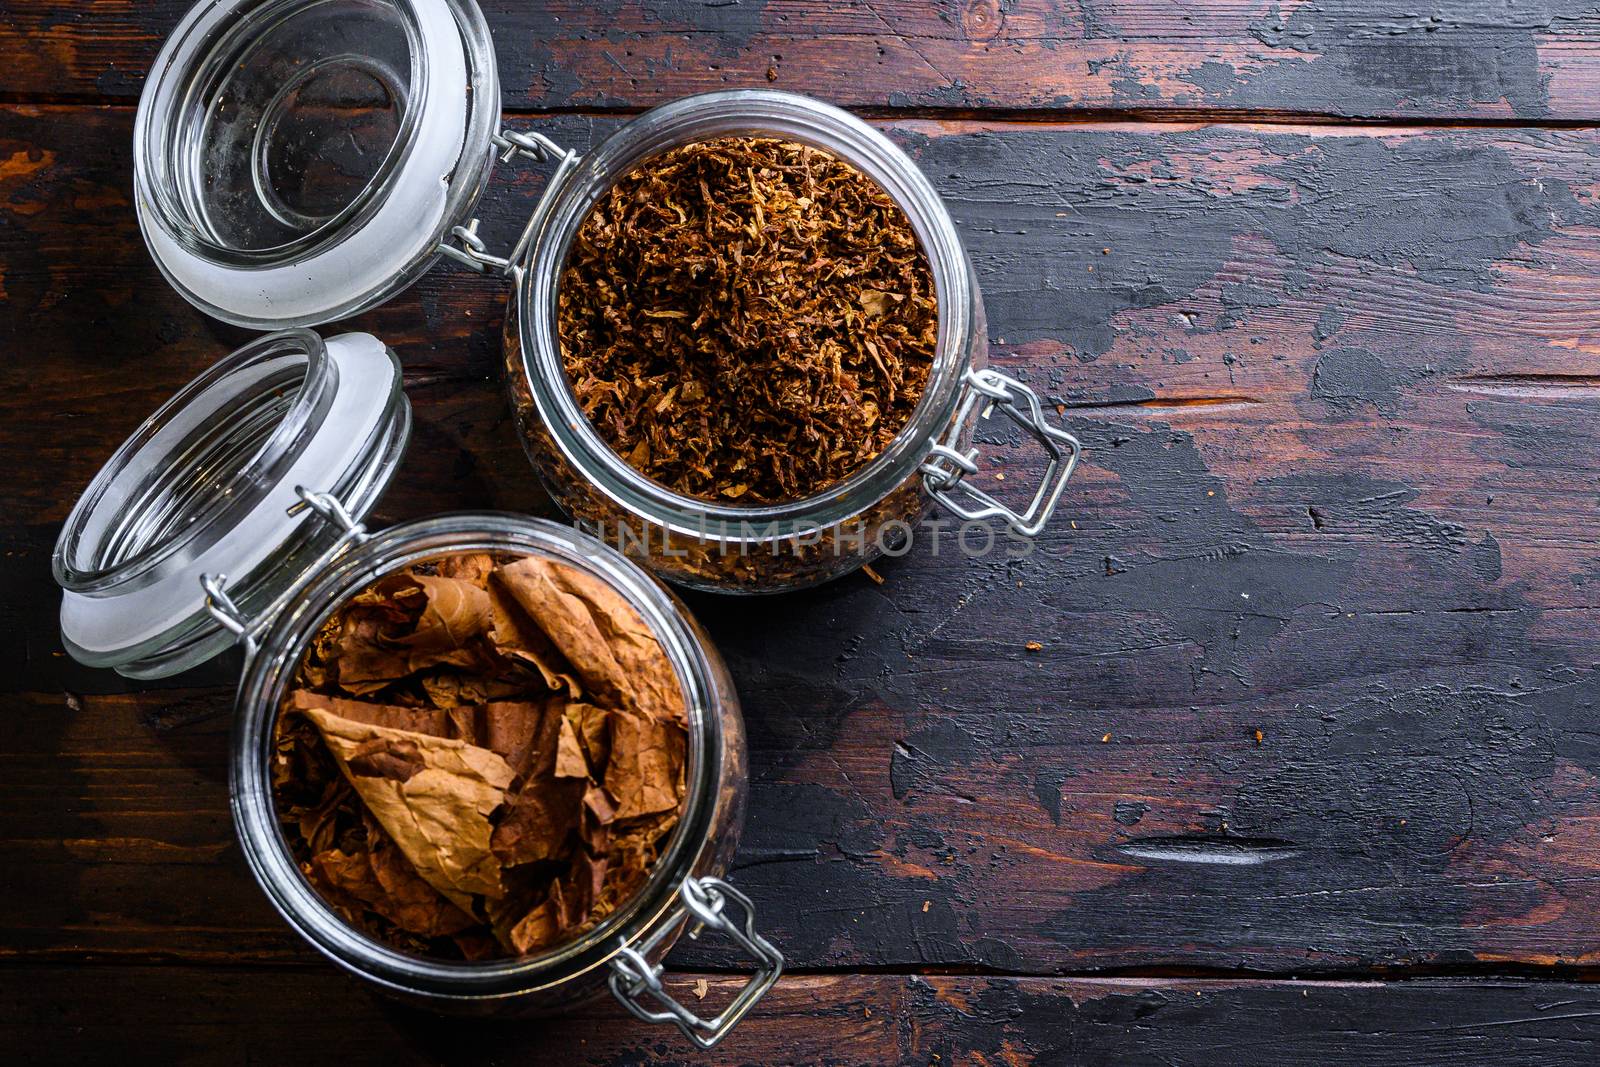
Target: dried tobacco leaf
645,757
605,640
517,636
747,320
523,732
384,881
570,761
380,645
539,822
508,783
456,612
432,795
430,721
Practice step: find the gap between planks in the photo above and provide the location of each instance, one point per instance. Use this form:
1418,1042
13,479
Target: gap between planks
1325,978
1005,116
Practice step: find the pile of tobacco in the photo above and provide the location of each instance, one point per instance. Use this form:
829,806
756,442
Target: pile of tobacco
481,757
747,320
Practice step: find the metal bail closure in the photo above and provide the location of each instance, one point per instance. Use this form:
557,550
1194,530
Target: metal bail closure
469,248
705,900
947,467
221,607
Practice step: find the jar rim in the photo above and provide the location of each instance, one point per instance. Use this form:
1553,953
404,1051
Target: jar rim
269,672
194,45
80,564
214,486
696,118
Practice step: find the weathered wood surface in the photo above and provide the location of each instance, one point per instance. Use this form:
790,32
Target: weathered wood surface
237,1015
1317,689
1340,493
1347,58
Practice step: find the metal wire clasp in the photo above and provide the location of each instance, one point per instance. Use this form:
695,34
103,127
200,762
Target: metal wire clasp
226,611
705,900
947,467
469,248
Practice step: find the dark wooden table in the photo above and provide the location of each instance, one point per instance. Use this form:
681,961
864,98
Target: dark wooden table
1306,769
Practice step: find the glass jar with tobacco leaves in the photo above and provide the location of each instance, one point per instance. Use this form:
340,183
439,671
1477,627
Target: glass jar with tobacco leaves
235,516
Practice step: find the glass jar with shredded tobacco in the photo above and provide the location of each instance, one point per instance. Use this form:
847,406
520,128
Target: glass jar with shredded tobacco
748,347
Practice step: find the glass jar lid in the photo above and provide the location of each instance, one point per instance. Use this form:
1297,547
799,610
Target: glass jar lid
298,161
223,483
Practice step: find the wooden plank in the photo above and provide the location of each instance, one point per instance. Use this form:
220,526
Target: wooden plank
1352,58
184,1015
1317,680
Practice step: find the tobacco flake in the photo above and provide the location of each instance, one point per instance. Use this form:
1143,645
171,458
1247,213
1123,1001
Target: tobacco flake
747,320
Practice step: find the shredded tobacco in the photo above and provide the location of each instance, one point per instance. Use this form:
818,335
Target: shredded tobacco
747,320
481,757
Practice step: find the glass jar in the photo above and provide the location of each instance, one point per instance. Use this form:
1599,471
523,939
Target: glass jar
263,468
297,161
769,549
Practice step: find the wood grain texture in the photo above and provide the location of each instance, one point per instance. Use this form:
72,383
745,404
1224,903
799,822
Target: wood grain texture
1316,685
191,1016
1466,59
1317,681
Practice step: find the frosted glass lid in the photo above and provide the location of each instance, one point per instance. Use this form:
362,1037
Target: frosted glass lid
211,485
298,161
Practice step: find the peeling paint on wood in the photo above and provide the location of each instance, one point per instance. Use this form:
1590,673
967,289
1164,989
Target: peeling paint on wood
1347,58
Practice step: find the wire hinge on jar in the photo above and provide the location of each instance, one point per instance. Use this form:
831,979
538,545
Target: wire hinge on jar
948,467
704,900
470,250
227,612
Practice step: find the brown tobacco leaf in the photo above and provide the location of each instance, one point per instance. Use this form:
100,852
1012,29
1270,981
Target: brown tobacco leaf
540,928
524,733
383,881
567,909
539,822
383,757
588,880
570,761
432,795
372,651
502,793
364,661
430,721
477,945
599,806
395,597
517,636
646,769
474,567
635,846
449,689
616,656
592,727
319,824
413,904
747,319
456,613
